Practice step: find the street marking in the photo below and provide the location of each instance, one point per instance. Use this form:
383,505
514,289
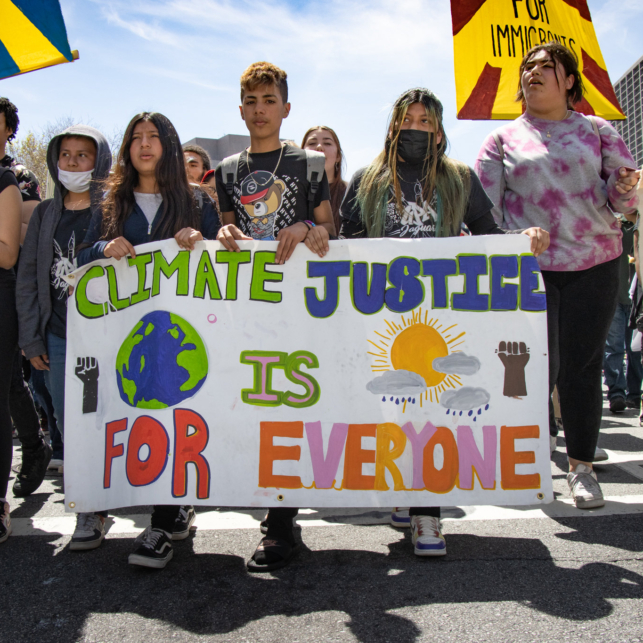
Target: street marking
250,519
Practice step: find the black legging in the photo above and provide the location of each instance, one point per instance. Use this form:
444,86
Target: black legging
580,308
8,344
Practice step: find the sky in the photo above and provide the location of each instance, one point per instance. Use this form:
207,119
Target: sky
347,61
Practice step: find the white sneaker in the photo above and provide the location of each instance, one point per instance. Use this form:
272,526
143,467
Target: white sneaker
89,532
600,455
426,534
400,518
584,488
55,463
552,444
5,521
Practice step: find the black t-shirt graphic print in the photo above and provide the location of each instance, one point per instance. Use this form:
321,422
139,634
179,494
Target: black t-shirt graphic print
70,232
270,194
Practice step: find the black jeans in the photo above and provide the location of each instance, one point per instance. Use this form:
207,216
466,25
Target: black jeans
580,308
425,511
42,398
22,408
164,517
280,522
8,345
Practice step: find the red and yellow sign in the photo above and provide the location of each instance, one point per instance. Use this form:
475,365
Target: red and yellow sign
490,38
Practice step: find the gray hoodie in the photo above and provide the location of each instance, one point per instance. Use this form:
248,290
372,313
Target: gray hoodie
33,294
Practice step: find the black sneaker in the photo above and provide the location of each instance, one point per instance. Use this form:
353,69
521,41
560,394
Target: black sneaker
617,404
184,522
633,403
33,470
155,549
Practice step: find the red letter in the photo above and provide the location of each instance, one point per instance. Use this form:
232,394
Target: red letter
509,458
268,453
146,430
112,450
355,456
188,448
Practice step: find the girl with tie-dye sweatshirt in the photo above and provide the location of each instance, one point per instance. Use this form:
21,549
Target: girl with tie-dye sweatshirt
566,172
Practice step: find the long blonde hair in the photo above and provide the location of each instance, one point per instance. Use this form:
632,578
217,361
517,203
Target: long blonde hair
449,177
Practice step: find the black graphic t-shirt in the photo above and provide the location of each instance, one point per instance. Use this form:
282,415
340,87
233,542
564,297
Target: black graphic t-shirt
70,232
419,216
27,181
267,197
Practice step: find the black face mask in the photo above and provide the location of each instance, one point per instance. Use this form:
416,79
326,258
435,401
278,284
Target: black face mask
412,145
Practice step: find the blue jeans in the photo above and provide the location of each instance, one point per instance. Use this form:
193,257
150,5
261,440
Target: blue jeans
55,378
622,383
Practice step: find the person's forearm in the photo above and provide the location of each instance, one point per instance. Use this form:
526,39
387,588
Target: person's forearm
8,256
330,228
228,218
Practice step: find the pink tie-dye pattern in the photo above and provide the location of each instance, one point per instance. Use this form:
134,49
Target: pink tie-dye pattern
562,183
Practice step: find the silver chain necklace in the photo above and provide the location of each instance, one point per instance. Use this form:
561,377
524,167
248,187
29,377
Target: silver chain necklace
274,171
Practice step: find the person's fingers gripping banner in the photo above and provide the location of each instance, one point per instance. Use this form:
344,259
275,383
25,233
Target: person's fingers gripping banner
490,38
32,36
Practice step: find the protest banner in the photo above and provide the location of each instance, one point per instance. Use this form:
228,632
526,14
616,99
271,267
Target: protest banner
388,373
491,37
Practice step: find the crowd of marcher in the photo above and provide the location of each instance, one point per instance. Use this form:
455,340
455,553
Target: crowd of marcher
565,180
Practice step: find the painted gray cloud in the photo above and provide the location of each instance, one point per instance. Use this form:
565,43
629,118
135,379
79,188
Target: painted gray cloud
457,364
465,398
397,383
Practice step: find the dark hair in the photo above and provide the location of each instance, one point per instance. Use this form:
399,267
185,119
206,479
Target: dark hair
264,73
10,112
338,186
559,54
205,157
180,209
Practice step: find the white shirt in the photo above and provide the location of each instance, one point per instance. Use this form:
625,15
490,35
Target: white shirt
149,203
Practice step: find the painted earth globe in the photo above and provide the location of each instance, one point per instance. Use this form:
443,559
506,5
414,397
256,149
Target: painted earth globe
162,362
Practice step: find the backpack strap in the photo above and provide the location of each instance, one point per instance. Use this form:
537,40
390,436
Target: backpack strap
592,120
315,162
501,149
229,171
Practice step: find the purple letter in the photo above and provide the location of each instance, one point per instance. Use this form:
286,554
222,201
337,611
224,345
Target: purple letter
418,442
325,470
471,459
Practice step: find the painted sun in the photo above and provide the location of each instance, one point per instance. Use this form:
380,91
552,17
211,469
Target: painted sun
411,344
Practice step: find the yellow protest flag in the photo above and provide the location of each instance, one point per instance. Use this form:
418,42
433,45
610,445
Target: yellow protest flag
490,38
32,36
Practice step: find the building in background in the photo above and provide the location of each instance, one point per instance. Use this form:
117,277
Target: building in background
219,148
629,91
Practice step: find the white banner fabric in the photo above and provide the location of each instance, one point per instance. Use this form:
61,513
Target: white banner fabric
388,373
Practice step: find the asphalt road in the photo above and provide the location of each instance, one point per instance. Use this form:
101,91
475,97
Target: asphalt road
555,574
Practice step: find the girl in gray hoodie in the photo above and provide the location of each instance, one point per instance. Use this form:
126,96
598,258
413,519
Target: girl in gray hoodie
79,161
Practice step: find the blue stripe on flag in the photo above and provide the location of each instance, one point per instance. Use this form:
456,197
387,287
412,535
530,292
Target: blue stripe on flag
8,66
47,17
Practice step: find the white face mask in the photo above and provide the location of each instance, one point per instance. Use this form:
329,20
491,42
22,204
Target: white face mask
75,181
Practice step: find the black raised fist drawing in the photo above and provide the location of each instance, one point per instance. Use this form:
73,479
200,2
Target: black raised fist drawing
87,372
514,355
